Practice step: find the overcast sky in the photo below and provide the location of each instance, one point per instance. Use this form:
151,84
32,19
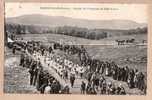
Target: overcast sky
135,12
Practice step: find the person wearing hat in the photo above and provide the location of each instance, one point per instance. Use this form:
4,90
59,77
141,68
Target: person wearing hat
31,71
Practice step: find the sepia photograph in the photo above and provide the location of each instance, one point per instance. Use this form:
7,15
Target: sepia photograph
81,48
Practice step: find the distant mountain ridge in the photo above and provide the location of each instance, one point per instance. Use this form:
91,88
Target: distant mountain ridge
55,21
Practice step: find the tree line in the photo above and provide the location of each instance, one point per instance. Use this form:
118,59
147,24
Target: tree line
93,34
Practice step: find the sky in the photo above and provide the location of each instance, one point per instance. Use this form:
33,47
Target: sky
135,12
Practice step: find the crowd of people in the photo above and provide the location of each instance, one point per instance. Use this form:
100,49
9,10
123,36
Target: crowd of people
41,78
93,70
133,77
64,67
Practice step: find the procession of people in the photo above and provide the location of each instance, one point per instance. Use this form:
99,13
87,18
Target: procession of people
92,71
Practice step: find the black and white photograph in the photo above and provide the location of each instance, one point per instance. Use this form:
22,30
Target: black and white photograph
81,48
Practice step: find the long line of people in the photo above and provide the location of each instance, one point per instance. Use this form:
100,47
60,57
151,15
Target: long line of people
90,89
64,67
95,72
133,77
69,67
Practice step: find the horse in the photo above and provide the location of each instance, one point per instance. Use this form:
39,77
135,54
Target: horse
120,42
130,40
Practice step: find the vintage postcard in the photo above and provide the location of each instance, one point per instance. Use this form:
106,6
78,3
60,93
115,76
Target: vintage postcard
81,48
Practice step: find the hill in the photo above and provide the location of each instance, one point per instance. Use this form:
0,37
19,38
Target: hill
55,21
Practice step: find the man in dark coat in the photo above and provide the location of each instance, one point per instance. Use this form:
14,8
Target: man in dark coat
83,87
43,81
130,80
32,72
72,79
126,73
